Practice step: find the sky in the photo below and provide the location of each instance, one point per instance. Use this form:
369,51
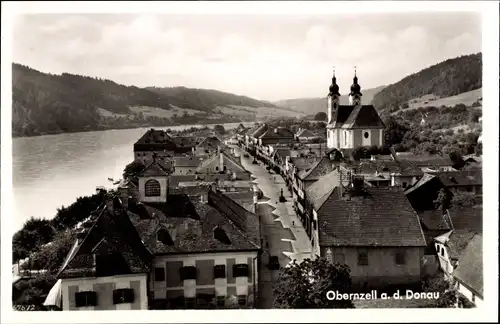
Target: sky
267,57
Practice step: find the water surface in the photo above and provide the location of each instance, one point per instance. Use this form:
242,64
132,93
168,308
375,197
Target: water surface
53,170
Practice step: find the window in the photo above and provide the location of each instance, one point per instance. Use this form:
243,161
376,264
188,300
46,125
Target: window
159,274
221,301
242,300
345,138
152,188
122,296
240,270
220,271
442,252
188,273
189,303
400,258
216,168
362,258
404,184
366,135
86,299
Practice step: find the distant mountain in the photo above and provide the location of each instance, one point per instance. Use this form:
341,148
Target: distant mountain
311,106
50,104
446,79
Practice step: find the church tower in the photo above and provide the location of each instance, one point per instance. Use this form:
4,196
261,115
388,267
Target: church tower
355,94
333,99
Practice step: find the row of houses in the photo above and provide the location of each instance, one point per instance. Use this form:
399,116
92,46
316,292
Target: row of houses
378,215
171,236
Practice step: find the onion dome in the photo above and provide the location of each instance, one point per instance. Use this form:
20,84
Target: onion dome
334,87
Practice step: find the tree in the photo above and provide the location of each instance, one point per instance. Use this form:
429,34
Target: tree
305,285
443,200
395,131
360,153
449,296
457,159
34,233
133,168
219,129
463,199
321,116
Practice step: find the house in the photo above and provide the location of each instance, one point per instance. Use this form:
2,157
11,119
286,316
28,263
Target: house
161,144
426,162
239,128
378,172
469,272
276,135
154,142
307,177
424,193
449,247
252,136
159,248
305,135
354,125
464,181
108,267
315,196
222,163
206,250
373,230
186,164
207,146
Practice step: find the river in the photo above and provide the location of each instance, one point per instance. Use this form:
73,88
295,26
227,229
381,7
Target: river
53,170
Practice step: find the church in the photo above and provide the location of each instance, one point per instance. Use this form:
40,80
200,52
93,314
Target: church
354,125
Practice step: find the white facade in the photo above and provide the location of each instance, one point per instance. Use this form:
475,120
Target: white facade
163,189
119,281
241,283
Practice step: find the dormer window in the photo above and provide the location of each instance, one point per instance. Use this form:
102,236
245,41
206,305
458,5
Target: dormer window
152,188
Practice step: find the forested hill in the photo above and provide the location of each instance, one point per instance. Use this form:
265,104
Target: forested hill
50,104
205,99
313,106
445,79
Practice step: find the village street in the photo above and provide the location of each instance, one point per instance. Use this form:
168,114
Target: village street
282,231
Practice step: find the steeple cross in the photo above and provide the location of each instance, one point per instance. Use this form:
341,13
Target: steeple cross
355,70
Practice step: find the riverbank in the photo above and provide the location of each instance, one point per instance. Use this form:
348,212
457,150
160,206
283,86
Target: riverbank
101,128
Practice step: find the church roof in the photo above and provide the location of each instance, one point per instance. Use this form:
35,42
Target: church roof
363,116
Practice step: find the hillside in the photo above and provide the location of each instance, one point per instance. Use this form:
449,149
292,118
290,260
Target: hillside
311,106
446,79
50,104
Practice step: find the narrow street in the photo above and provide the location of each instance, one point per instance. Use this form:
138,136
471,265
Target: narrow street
282,230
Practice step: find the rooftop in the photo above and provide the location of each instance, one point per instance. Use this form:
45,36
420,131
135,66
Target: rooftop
192,223
363,116
461,178
470,266
373,216
422,160
319,169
